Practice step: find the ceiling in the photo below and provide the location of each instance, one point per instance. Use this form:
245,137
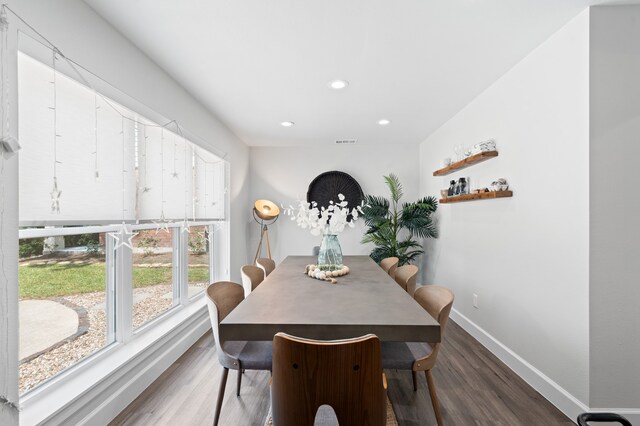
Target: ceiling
256,63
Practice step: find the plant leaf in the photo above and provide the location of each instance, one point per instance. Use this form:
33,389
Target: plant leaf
395,187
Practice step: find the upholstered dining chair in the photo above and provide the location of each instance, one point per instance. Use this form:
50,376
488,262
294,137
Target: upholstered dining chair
437,301
266,264
389,265
406,277
222,298
251,277
344,374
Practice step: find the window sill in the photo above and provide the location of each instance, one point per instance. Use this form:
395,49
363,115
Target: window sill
96,390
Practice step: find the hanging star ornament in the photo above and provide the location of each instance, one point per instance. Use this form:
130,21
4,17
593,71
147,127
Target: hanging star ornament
207,236
185,227
123,237
175,175
145,189
162,224
55,197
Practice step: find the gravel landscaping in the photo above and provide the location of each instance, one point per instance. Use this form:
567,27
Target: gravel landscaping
148,304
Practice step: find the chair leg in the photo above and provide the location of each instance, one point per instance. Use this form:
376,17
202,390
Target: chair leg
240,372
223,385
415,380
434,398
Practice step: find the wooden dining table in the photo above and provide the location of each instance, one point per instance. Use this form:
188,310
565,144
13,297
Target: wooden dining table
367,300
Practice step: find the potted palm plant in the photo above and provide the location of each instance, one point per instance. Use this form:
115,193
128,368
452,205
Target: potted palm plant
393,226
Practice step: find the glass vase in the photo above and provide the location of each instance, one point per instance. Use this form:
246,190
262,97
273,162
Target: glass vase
330,255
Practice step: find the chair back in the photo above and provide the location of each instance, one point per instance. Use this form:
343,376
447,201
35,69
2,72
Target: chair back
345,374
437,301
266,264
406,277
251,277
222,298
389,265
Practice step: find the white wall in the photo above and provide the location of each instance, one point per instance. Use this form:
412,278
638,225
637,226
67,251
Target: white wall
283,174
526,257
615,207
85,37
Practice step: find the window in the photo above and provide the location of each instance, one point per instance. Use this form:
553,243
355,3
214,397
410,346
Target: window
122,220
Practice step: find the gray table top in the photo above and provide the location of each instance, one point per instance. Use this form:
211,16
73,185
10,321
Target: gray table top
365,301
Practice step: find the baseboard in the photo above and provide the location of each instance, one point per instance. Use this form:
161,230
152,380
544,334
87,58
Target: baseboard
553,392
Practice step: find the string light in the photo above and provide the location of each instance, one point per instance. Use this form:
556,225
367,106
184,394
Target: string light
55,192
145,188
124,171
123,237
96,173
175,157
162,224
185,224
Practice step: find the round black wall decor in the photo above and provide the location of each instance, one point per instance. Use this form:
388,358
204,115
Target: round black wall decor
326,187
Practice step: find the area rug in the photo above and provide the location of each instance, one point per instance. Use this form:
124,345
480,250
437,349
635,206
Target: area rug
326,416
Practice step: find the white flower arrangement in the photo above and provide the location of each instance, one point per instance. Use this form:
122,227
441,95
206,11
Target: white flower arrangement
329,220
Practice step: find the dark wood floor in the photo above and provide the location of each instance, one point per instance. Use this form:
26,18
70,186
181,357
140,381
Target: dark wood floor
474,388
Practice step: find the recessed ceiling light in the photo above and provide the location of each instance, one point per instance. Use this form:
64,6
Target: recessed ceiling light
338,84
384,122
287,123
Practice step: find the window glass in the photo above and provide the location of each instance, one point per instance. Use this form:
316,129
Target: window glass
63,304
153,274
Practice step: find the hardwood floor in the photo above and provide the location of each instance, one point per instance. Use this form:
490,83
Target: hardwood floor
474,388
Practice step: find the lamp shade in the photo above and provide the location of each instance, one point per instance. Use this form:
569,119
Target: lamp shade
266,210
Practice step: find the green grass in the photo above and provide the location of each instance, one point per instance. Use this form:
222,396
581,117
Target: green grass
43,281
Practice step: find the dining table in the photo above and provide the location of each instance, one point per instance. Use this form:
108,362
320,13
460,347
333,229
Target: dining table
365,301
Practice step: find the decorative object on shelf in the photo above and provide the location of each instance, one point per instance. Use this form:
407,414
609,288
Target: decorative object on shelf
486,146
480,190
462,187
329,275
328,221
387,219
459,151
446,162
452,188
499,185
326,186
444,193
466,162
265,213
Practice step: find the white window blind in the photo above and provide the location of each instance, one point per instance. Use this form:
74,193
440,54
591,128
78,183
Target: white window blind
110,163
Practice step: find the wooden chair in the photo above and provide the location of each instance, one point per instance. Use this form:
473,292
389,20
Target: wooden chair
389,265
266,264
406,277
437,301
251,277
345,374
222,298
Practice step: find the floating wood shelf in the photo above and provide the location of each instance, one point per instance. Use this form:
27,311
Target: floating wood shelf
480,196
463,164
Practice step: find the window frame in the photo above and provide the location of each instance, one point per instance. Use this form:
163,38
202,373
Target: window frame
119,287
